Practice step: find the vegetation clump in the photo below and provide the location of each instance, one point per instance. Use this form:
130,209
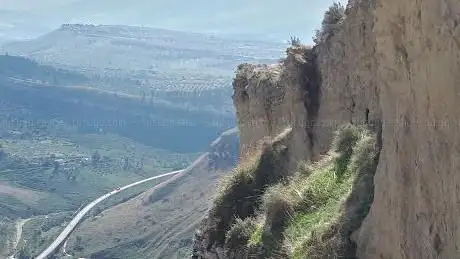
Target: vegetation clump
240,194
295,41
331,22
240,233
313,213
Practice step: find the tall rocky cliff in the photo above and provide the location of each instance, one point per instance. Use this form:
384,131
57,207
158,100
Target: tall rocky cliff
415,210
392,65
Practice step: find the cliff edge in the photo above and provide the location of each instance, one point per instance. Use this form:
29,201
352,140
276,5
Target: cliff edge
369,110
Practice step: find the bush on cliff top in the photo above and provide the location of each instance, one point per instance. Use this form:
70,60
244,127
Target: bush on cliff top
294,41
330,24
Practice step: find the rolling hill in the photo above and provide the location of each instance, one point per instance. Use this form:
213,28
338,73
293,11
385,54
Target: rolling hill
141,52
222,17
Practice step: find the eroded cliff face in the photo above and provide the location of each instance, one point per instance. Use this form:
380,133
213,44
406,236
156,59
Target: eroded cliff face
416,210
348,71
314,91
272,98
395,66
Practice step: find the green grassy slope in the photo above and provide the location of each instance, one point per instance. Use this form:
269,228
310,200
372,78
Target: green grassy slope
310,214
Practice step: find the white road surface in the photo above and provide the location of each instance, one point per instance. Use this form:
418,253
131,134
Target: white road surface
70,227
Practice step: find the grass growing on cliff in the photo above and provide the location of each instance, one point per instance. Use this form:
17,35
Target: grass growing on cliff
327,195
239,197
313,214
241,231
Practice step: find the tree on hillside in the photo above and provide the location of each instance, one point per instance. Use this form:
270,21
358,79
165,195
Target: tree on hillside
126,163
95,158
294,41
2,152
78,244
140,164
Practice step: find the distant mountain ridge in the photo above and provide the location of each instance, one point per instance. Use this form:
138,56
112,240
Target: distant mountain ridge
223,17
133,50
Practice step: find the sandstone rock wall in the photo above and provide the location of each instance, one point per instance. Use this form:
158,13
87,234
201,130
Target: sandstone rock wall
393,63
416,209
271,98
314,91
347,67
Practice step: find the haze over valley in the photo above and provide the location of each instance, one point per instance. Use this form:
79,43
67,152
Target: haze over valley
97,95
87,108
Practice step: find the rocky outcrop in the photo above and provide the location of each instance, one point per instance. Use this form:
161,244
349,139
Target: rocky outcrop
393,65
271,98
241,198
314,91
310,92
348,72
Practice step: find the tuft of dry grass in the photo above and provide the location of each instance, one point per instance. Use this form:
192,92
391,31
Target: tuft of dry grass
240,233
239,195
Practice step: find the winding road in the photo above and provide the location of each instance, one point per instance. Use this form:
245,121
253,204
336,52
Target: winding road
74,222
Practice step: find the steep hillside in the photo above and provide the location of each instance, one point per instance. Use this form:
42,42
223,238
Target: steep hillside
157,224
388,70
20,68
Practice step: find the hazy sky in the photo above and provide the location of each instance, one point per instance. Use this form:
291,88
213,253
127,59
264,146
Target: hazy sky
276,18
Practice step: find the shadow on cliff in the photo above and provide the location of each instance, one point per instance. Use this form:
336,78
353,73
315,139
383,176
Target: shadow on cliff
239,197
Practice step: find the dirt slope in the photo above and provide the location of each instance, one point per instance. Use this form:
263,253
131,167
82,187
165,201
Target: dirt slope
160,223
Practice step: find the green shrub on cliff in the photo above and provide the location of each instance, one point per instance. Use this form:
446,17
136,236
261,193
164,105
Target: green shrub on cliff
240,193
265,212
313,214
241,231
295,41
330,24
